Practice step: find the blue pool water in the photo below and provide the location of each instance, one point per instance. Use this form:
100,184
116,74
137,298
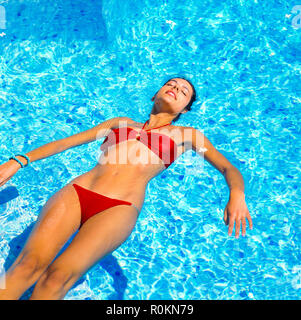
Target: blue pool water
66,66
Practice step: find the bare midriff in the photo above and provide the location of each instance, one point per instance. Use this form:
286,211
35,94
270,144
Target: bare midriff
117,177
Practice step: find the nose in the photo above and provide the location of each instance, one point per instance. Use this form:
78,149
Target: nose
175,86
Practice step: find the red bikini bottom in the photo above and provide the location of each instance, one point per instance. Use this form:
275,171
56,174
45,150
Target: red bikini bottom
92,202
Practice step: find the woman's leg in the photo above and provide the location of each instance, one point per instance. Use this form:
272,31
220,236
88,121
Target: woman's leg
59,219
98,236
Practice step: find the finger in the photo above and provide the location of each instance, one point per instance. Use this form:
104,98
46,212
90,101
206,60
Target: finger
226,217
231,225
237,228
250,220
243,226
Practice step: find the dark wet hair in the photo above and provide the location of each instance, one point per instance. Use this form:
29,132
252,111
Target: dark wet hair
193,97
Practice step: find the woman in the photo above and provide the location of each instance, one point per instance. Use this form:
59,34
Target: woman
105,202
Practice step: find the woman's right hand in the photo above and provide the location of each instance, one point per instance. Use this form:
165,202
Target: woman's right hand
7,171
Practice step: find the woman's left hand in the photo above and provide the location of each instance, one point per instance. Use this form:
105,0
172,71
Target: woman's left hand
236,211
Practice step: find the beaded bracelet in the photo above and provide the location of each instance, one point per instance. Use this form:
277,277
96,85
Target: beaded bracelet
20,163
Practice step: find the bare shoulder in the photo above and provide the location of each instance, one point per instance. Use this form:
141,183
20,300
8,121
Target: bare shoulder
180,128
116,119
189,128
126,119
116,122
183,127
191,133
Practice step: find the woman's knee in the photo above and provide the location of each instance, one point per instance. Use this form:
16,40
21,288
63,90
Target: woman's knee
56,279
29,264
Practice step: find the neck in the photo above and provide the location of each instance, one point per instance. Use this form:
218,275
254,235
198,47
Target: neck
159,118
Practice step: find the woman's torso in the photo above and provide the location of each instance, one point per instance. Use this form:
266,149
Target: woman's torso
124,169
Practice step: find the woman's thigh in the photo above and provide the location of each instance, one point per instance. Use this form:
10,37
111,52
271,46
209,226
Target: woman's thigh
98,236
58,220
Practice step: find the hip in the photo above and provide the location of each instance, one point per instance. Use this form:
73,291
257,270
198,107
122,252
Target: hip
113,185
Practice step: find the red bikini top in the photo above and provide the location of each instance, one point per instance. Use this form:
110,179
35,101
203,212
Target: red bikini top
162,145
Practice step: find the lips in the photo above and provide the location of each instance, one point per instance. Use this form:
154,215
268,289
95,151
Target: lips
171,93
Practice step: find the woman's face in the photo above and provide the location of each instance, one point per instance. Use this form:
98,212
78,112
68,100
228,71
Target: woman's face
174,96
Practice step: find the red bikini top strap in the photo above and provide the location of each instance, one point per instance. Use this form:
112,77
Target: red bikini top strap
156,127
144,124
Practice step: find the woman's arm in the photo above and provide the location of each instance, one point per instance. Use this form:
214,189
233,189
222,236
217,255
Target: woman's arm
77,139
9,168
236,209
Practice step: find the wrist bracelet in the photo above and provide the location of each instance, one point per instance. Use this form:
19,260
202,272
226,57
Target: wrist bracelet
20,163
26,157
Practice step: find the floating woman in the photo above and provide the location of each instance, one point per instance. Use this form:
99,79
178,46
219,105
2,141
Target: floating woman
104,203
